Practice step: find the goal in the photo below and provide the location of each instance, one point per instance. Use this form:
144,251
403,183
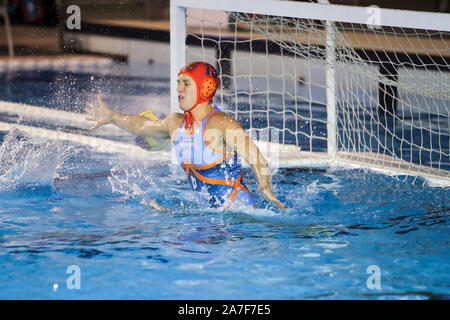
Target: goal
320,84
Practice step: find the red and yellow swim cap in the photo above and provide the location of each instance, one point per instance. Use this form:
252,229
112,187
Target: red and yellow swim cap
205,77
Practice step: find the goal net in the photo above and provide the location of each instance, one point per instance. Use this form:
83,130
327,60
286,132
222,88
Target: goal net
364,87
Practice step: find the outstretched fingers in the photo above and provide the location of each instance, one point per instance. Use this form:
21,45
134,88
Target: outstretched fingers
279,204
100,100
271,196
90,111
91,116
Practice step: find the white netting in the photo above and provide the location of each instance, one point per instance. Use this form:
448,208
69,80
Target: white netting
392,86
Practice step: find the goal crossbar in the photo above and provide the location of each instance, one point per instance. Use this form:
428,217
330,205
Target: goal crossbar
327,12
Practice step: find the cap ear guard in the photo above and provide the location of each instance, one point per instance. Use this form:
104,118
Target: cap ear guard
207,88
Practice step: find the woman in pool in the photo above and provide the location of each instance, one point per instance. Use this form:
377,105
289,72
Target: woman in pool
207,141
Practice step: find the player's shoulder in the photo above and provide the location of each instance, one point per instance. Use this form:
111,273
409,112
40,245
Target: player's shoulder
219,117
222,121
174,120
177,116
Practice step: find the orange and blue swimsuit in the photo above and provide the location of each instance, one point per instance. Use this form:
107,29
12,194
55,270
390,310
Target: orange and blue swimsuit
217,176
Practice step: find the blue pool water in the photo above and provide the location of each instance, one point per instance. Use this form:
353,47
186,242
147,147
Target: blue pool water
63,205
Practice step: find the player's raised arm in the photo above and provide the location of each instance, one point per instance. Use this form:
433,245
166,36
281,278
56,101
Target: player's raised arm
137,125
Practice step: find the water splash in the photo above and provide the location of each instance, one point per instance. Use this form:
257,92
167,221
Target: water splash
131,181
29,162
306,199
144,183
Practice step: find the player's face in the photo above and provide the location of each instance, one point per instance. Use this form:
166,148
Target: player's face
187,92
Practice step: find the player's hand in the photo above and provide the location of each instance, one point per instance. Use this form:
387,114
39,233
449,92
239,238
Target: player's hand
101,113
271,196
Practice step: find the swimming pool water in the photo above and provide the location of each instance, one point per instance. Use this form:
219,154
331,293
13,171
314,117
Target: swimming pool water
91,212
63,205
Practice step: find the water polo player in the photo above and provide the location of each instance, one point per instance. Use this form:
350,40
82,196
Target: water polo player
208,143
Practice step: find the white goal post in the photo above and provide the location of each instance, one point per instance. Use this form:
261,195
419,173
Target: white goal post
330,84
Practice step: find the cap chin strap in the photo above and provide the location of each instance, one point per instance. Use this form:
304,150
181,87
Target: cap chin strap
189,118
